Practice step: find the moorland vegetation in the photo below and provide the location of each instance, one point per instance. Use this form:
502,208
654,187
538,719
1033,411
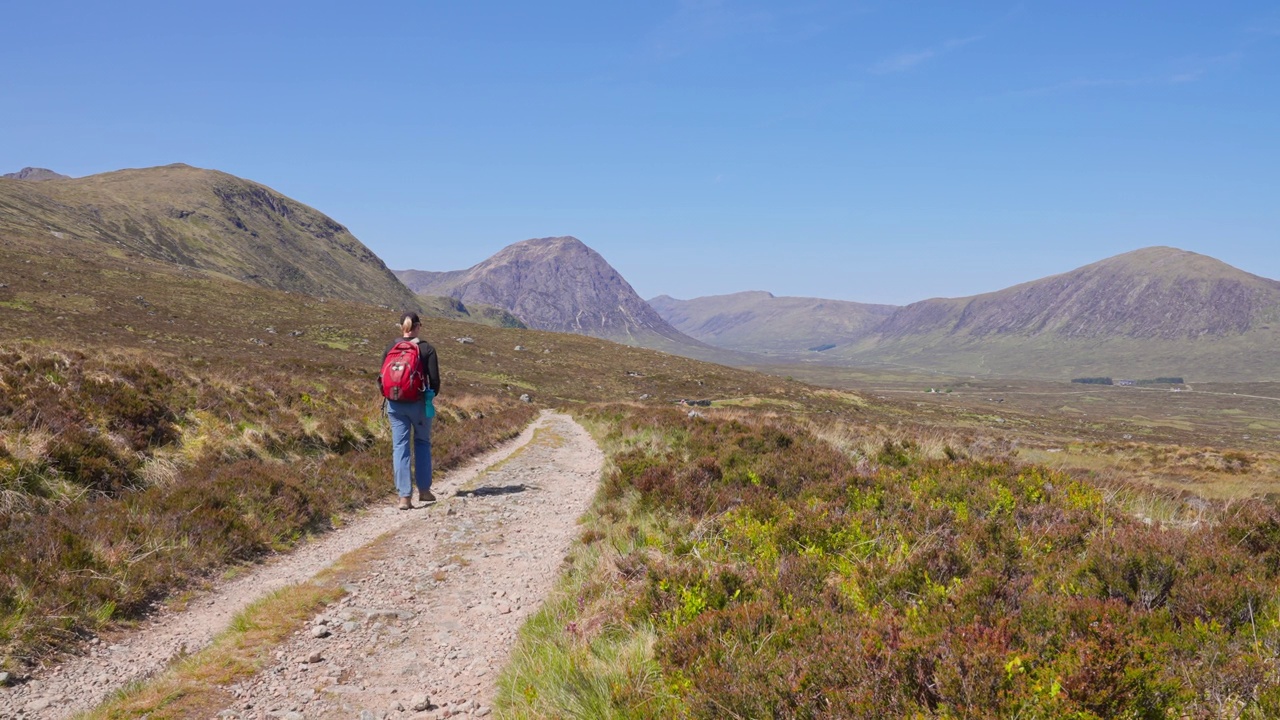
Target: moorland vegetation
769,565
159,424
776,550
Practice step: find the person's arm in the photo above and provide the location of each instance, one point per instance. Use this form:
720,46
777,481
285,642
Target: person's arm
433,369
378,375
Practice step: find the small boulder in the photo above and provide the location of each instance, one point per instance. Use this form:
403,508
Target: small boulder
420,702
319,632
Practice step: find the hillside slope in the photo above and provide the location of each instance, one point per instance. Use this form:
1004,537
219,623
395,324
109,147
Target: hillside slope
1154,311
207,220
760,322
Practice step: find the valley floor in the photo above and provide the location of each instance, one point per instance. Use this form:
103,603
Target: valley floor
424,625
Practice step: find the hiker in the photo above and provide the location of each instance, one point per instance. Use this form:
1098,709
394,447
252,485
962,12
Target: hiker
410,380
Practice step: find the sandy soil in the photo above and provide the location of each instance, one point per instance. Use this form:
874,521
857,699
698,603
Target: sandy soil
420,634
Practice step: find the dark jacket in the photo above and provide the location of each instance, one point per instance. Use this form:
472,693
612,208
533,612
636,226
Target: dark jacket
426,357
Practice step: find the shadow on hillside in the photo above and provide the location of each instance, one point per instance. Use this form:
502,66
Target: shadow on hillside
491,490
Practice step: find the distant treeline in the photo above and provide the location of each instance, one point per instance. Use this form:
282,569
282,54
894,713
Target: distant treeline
1108,381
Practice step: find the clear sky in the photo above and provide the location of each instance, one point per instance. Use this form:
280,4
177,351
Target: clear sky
868,151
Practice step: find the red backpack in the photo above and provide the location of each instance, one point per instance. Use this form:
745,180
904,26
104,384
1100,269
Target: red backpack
401,376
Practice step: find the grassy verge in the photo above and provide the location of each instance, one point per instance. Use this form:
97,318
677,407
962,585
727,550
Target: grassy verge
747,567
577,657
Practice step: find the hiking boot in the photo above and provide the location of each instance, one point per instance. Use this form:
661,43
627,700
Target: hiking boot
426,498
405,504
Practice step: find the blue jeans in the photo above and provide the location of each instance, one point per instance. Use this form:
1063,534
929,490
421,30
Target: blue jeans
410,419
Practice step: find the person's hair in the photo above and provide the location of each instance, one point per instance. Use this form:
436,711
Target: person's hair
409,321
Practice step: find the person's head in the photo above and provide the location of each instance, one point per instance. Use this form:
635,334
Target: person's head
409,323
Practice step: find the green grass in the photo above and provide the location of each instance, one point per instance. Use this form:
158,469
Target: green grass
575,657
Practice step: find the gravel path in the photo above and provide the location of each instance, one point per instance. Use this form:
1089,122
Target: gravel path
419,635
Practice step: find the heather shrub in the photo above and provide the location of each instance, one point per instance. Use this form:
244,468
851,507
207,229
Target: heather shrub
1136,565
815,584
251,460
87,458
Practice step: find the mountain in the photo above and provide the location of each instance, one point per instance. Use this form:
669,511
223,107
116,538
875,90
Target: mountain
560,284
759,322
1157,311
207,220
35,174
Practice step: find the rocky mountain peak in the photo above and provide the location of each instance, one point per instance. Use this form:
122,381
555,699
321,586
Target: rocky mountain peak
552,283
35,174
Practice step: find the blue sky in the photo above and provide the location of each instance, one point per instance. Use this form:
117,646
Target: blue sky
869,151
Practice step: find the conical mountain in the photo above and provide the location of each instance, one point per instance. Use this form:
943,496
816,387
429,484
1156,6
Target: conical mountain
202,219
559,284
1154,311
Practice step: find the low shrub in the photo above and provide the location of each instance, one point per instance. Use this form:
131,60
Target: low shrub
258,460
812,584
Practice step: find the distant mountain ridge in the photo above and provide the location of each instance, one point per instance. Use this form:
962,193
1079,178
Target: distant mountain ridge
1156,292
559,284
207,220
757,321
1150,312
1156,311
35,174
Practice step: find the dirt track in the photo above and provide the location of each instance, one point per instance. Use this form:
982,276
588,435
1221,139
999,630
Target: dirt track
437,620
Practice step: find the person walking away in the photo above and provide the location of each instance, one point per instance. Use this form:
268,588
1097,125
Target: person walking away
410,380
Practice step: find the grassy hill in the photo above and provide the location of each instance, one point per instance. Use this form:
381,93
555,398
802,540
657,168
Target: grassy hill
202,219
